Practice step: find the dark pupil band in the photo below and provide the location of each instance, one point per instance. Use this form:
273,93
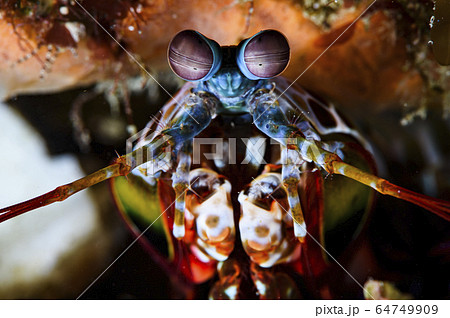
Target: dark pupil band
190,56
190,65
267,65
265,55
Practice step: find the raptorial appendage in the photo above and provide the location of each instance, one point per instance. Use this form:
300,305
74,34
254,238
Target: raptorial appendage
153,156
199,108
266,222
209,216
271,120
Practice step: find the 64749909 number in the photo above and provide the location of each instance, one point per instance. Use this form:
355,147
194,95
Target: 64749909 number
407,309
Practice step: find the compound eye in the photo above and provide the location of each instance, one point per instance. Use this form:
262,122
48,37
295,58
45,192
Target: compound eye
264,55
193,57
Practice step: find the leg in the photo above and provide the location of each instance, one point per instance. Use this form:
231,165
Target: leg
291,179
180,184
227,287
271,284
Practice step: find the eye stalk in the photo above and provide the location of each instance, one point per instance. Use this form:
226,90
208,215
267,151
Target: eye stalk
194,57
264,55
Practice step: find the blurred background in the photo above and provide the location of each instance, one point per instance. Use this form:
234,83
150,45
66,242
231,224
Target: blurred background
71,96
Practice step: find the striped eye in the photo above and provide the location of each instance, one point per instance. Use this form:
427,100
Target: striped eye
193,57
264,55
